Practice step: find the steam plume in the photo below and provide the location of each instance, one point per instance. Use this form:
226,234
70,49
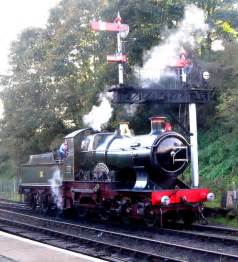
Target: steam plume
217,45
55,184
99,115
160,57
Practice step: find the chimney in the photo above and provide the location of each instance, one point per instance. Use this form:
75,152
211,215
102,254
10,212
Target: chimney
157,125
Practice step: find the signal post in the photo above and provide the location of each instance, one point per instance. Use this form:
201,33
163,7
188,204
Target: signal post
122,31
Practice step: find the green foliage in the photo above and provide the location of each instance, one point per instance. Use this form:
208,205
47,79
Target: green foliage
7,178
6,166
224,69
227,28
224,221
218,153
53,80
218,161
58,72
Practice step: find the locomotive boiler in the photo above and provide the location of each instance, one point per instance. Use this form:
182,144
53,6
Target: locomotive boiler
143,160
116,174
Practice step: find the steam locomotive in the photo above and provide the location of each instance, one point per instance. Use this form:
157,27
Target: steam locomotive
116,175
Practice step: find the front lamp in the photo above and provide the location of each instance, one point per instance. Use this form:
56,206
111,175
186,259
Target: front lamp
205,75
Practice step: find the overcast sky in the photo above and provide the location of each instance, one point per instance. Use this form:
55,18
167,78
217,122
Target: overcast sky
15,15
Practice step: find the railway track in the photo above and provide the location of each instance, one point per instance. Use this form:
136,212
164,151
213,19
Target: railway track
212,229
13,204
153,245
64,235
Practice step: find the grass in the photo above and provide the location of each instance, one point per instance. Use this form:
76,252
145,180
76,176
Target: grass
218,162
224,221
14,196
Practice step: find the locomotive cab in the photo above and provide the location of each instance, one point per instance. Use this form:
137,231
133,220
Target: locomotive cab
74,140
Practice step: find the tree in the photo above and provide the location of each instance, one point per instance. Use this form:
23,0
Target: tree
58,72
51,82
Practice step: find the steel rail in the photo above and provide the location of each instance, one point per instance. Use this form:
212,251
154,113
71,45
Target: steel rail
169,248
216,230
205,232
218,233
106,247
204,236
14,206
5,203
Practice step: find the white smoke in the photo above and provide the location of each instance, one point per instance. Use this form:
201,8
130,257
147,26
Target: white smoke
217,45
55,184
190,29
99,115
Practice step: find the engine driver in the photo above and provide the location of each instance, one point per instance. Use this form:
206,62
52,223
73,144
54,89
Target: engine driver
63,151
